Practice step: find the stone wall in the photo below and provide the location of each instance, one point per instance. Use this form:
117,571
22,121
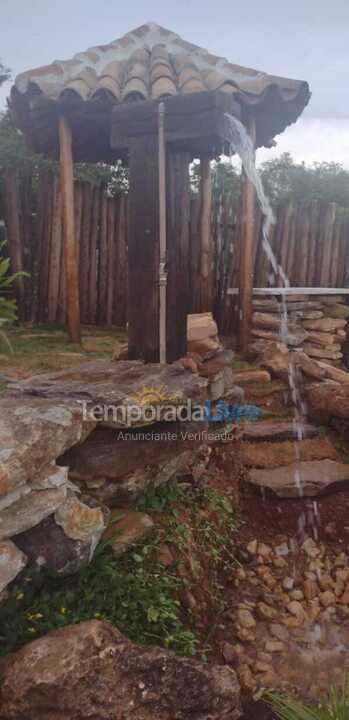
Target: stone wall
316,323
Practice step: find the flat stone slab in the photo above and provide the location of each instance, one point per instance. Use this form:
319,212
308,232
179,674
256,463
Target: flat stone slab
12,561
272,455
29,510
304,479
266,430
33,433
118,385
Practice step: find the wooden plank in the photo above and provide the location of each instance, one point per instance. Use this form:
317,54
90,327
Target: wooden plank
143,251
178,209
69,243
295,291
246,254
55,253
194,252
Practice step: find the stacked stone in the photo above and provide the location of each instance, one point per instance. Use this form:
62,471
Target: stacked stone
316,324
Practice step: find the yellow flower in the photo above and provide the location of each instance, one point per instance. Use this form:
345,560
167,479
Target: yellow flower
34,616
63,610
19,596
32,630
97,615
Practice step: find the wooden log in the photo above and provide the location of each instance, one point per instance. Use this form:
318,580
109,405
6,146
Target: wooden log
83,232
327,241
143,250
93,273
14,233
205,231
246,254
335,254
286,236
55,253
120,310
46,247
300,268
194,259
178,208
314,215
111,219
103,262
69,243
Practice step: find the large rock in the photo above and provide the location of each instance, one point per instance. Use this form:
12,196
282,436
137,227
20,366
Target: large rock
325,324
117,468
29,510
338,311
128,530
328,399
331,352
48,545
304,479
79,521
119,394
268,430
294,337
33,433
273,356
332,373
12,561
92,671
322,338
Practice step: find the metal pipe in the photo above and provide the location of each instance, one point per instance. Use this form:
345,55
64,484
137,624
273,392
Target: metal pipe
162,234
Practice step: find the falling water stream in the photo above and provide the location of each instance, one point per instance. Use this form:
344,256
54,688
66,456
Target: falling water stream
241,143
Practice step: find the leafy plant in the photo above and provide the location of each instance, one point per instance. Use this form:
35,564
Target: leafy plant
334,707
136,592
8,307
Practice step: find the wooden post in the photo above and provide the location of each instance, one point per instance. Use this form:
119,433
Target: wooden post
246,254
206,210
143,250
69,244
178,213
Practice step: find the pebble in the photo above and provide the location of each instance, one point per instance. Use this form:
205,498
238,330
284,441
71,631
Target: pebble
288,583
246,619
274,646
279,562
311,548
252,547
278,631
295,608
310,589
265,611
341,560
246,678
264,550
296,595
282,550
262,667
327,598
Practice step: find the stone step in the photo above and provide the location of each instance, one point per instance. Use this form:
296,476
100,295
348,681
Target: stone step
272,455
269,430
314,478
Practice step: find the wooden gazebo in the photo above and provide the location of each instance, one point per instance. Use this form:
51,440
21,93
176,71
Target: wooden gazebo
156,102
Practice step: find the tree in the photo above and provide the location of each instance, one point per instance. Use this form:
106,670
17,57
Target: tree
5,73
286,180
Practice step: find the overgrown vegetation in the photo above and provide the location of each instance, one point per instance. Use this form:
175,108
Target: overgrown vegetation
334,707
8,306
136,592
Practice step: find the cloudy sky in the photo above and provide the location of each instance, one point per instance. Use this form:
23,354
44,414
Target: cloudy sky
303,39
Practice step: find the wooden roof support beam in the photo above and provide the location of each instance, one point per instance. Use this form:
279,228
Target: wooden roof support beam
69,241
247,234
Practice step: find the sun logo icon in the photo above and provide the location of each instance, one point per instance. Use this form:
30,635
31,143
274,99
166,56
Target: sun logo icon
151,395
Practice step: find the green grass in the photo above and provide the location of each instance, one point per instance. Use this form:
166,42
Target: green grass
333,707
134,592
